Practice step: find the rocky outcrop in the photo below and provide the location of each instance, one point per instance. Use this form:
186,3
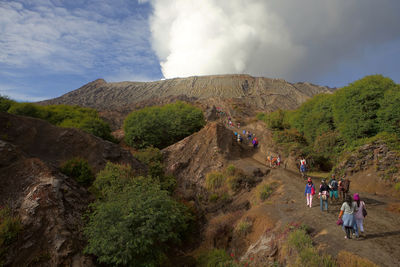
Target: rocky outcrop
50,205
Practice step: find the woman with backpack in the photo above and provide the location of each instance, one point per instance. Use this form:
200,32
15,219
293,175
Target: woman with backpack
347,215
323,194
360,213
309,192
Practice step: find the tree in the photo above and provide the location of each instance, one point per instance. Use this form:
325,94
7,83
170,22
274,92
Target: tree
133,224
162,126
389,112
356,106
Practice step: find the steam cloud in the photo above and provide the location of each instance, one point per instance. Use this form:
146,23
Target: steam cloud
295,40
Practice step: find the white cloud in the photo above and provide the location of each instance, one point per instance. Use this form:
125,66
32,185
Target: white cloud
41,34
295,40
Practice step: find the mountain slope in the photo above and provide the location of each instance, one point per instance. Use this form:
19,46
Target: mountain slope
260,91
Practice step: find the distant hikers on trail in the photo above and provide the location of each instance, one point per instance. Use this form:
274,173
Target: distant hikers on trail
273,162
309,192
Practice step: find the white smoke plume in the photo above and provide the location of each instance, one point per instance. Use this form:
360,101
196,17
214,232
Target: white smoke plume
291,39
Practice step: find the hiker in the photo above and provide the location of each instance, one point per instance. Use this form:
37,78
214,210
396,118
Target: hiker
303,167
278,160
255,142
244,132
249,136
239,138
309,192
235,133
269,160
323,194
238,124
344,187
360,214
347,215
333,185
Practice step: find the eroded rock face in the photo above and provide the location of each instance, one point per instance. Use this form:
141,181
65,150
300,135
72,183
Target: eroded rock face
49,204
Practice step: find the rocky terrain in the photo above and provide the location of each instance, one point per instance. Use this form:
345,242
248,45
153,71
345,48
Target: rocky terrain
49,203
214,148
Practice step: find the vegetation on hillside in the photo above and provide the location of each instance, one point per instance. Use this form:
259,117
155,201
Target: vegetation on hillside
162,126
86,119
328,124
134,222
10,227
78,169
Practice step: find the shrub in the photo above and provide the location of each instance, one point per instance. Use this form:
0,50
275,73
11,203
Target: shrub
86,119
345,258
162,126
153,158
213,258
136,221
265,191
230,170
10,227
5,103
214,180
356,107
397,186
78,169
299,241
243,227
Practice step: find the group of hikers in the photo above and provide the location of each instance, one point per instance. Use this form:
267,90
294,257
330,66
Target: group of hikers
352,211
274,161
251,137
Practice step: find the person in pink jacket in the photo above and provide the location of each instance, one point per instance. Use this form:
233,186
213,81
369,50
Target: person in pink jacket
358,215
309,192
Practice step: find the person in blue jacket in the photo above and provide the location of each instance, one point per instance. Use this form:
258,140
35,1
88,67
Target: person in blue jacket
309,192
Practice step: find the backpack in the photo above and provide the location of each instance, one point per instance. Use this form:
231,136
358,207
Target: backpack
324,197
256,142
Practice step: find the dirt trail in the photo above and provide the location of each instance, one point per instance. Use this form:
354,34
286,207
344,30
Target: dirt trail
382,242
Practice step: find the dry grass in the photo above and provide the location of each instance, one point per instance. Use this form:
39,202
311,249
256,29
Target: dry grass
221,226
345,259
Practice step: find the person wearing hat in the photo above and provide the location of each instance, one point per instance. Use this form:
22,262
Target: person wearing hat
309,192
323,194
360,213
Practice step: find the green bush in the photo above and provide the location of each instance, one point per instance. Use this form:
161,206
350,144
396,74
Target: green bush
397,186
78,169
153,158
214,258
134,224
5,103
243,227
307,255
265,191
214,180
357,105
162,126
231,169
86,119
10,227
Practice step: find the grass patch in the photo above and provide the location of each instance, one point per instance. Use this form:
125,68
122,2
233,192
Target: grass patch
214,180
397,186
10,227
243,227
345,259
300,247
265,191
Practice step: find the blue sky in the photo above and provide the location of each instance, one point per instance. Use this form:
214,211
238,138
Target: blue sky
50,47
